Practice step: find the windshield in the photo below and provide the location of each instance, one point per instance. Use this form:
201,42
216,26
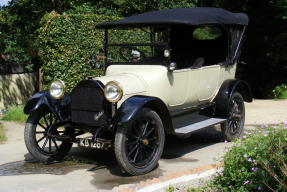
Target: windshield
137,46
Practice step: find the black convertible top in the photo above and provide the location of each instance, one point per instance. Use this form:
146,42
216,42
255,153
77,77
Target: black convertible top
185,16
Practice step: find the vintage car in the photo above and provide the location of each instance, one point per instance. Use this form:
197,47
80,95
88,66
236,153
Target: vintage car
177,77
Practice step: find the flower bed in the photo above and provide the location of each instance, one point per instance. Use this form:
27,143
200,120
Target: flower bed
257,162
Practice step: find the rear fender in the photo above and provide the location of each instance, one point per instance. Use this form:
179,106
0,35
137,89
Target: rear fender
227,89
132,105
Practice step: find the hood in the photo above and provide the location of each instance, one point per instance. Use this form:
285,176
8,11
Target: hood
130,83
139,80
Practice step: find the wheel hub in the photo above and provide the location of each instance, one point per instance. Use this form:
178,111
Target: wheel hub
145,142
237,116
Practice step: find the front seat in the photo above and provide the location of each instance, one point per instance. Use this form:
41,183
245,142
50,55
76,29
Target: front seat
198,63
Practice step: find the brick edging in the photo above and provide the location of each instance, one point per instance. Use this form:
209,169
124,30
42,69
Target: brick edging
168,177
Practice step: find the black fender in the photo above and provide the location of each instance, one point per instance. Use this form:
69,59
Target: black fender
44,99
132,105
227,89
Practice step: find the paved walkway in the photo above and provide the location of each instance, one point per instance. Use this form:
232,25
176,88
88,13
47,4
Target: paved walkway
266,112
17,173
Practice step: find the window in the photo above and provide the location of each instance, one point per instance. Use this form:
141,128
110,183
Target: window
190,44
207,33
211,43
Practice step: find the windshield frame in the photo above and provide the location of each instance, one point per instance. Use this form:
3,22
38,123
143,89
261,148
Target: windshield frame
165,61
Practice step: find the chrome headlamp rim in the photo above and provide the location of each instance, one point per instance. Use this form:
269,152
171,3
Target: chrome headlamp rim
63,87
120,90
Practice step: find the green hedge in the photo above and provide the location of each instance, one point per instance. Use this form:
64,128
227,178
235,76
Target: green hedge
67,43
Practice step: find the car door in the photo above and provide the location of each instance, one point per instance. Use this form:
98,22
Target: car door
208,82
178,89
183,88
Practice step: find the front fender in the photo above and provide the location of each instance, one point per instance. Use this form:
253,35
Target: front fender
132,105
40,99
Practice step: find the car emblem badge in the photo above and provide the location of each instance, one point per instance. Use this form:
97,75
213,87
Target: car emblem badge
98,115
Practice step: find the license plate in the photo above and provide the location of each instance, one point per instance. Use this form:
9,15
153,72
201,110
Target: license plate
98,144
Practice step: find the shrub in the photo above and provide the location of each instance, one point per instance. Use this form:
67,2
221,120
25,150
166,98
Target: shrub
67,43
15,113
258,162
280,91
170,189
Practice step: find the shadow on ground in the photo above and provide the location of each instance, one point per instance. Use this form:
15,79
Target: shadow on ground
103,165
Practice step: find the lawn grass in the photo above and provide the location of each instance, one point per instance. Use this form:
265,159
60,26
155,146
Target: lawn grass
2,133
15,113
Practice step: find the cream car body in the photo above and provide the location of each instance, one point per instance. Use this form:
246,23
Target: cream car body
168,79
179,89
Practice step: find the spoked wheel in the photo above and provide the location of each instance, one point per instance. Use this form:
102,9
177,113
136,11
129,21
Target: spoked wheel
139,144
43,147
233,128
142,142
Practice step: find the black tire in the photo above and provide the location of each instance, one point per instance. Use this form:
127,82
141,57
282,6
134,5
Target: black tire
37,125
140,142
234,126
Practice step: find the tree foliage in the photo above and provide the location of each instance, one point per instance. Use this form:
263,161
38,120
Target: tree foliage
130,7
20,20
19,23
264,50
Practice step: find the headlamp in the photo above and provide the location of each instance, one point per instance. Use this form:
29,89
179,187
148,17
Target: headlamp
57,89
113,91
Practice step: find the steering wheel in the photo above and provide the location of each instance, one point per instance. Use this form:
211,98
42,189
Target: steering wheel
126,53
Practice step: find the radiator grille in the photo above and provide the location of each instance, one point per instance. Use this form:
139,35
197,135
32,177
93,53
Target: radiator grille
88,104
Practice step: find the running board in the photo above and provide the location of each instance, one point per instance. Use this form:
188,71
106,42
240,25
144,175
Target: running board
200,125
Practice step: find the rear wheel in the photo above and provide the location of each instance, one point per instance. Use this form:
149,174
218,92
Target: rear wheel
139,143
233,127
42,147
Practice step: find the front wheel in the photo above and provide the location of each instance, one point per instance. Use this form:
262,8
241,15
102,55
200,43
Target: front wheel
233,127
42,147
139,143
